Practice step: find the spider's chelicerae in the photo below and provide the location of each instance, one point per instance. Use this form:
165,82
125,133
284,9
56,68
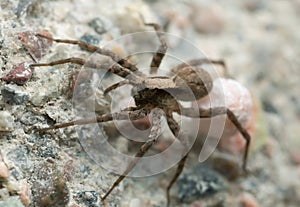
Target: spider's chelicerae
153,95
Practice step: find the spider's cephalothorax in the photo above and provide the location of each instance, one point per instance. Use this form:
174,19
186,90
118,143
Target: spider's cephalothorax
188,83
153,91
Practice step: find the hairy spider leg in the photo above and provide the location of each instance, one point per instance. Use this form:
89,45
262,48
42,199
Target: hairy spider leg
91,48
157,57
115,86
116,69
201,61
211,112
123,115
153,136
174,126
160,53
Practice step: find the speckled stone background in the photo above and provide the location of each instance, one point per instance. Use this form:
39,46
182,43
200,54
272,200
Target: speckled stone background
258,39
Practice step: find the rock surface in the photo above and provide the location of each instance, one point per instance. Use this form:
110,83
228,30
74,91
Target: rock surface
258,41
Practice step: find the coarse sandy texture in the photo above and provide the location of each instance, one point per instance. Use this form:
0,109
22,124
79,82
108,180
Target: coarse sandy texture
260,42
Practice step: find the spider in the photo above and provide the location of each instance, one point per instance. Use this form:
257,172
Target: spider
153,95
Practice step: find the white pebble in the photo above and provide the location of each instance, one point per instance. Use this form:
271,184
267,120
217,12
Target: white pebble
6,121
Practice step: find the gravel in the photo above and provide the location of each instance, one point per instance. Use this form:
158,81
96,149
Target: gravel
257,39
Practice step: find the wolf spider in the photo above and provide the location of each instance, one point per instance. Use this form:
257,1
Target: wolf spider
153,95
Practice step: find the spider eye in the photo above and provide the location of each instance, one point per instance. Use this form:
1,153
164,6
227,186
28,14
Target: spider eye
195,79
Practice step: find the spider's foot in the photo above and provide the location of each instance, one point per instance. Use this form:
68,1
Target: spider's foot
44,36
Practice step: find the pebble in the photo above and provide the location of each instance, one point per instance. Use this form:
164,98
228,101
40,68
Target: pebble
247,200
12,186
22,7
11,202
19,74
200,182
197,204
28,8
29,119
295,157
98,25
36,46
19,155
4,194
136,202
89,198
25,194
253,5
6,121
4,172
49,187
13,95
208,19
90,39
51,88
231,94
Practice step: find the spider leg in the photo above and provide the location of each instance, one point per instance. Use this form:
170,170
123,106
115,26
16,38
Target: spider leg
123,115
153,136
160,53
91,48
201,61
174,126
211,112
115,86
116,69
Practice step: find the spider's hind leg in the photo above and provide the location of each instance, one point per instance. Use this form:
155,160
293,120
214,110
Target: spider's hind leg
212,112
202,61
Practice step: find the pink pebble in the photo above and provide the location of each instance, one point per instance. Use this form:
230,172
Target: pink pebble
247,200
4,172
25,194
19,74
231,94
36,45
197,204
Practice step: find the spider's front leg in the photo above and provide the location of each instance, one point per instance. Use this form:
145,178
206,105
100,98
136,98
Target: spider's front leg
174,126
116,69
91,48
160,53
153,136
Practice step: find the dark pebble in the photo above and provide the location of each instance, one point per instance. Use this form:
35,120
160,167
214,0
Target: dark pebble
200,182
90,39
89,198
269,107
98,25
12,96
29,119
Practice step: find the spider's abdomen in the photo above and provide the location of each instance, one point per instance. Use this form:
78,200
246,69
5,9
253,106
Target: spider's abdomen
192,83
